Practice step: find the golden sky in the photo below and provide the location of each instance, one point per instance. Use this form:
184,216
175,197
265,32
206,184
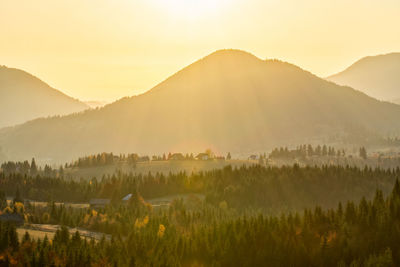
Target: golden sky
107,49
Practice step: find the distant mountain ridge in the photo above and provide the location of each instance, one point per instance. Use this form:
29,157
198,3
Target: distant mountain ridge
227,101
377,76
96,104
24,97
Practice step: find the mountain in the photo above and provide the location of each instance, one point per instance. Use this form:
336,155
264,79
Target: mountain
96,104
227,101
24,97
377,76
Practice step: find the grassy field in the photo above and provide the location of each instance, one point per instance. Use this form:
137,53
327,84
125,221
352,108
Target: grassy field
43,204
41,230
72,205
166,200
35,234
164,167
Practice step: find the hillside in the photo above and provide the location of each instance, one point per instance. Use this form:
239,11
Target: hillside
24,97
164,167
227,101
96,104
377,76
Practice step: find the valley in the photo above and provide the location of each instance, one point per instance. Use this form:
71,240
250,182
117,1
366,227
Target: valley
186,133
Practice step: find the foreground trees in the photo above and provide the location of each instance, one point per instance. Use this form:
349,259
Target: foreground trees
363,234
250,216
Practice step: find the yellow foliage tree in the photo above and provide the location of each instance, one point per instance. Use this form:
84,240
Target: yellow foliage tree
19,207
141,223
161,231
94,213
7,210
223,205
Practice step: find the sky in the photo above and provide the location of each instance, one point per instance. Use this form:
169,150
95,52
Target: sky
108,49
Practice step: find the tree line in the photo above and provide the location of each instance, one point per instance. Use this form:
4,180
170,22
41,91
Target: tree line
31,169
105,159
271,189
304,151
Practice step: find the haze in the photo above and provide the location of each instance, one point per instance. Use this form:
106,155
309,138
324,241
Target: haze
200,133
104,50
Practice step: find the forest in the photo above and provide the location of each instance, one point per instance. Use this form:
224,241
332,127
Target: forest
362,233
248,216
272,189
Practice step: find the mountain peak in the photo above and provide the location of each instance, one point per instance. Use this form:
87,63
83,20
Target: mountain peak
24,97
229,56
230,52
376,76
230,100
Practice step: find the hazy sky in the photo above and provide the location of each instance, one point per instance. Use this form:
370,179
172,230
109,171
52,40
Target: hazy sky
103,50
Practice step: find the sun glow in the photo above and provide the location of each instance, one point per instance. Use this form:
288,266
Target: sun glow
191,8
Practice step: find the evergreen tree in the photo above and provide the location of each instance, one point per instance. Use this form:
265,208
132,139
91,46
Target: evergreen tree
18,197
363,153
34,168
3,200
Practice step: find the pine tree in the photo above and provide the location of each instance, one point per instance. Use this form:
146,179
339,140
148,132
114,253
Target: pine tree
324,150
34,169
26,237
18,197
61,171
3,200
363,153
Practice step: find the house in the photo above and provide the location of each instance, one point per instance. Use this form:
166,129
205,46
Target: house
143,159
202,156
177,156
133,198
15,218
253,157
96,203
127,197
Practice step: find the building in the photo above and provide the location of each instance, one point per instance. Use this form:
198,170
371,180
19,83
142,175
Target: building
177,156
253,157
202,156
127,198
143,159
96,203
15,218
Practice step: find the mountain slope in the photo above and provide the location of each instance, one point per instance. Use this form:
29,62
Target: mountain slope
96,104
24,97
228,101
377,76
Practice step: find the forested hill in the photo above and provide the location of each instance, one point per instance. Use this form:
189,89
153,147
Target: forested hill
229,101
24,97
377,76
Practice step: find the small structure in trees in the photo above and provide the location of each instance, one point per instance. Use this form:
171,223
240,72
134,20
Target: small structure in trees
203,156
176,156
14,218
96,203
127,198
253,157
